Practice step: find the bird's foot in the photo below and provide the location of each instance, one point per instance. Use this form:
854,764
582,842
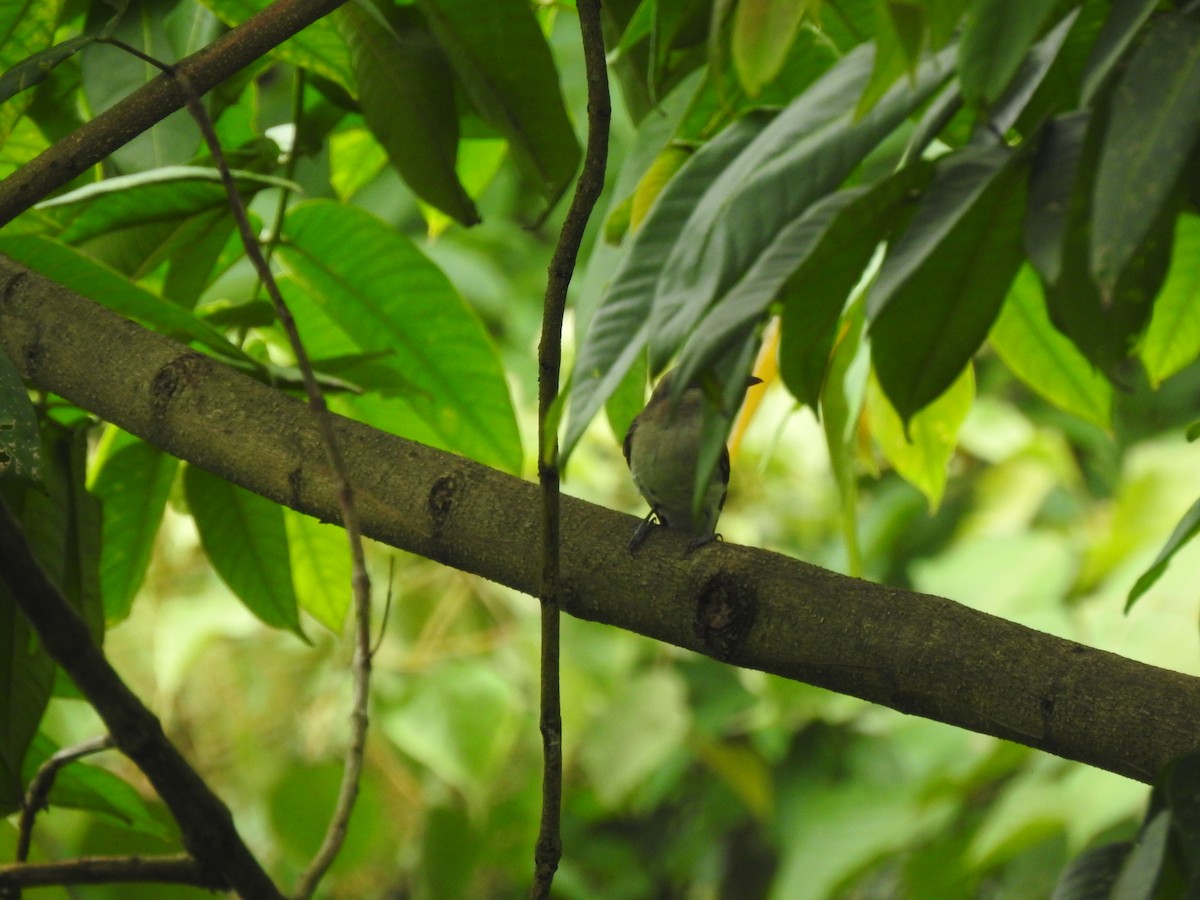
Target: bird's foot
702,541
639,535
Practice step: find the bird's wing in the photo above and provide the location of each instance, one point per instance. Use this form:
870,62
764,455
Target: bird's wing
627,446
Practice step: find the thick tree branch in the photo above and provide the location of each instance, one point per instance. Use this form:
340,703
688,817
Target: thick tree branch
118,125
913,652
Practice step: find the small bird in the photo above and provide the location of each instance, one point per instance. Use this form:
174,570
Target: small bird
662,448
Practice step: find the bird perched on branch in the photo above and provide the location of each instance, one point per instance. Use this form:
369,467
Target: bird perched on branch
662,448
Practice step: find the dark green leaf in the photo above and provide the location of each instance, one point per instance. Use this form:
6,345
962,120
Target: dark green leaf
1151,132
61,524
503,62
996,38
406,88
1033,69
943,281
812,265
133,485
386,295
1120,27
1091,875
619,331
803,155
1187,528
20,440
34,69
244,538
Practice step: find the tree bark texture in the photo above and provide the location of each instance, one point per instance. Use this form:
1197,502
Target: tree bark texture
916,653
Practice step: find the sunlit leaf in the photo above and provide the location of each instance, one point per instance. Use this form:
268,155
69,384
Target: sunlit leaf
1044,358
1187,528
921,452
386,295
244,538
1172,340
133,485
321,567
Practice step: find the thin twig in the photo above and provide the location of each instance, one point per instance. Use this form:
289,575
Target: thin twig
38,792
180,869
548,850
339,823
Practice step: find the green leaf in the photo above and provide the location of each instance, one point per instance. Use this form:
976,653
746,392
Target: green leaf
619,331
164,194
101,284
321,568
386,295
995,39
505,66
1144,864
61,525
811,265
406,89
92,789
1091,875
942,283
763,32
26,55
1187,528
20,439
1151,132
1044,358
1120,27
245,540
803,155
318,48
1172,340
921,449
133,485
111,74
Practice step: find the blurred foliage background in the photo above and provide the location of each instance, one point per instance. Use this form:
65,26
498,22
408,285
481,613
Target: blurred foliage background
685,778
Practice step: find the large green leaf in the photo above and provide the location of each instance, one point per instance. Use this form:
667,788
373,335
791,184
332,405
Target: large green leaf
1120,26
1151,131
244,538
803,155
85,276
26,34
164,194
503,62
406,88
811,265
386,295
133,484
619,330
996,38
944,278
111,74
1172,340
1042,356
